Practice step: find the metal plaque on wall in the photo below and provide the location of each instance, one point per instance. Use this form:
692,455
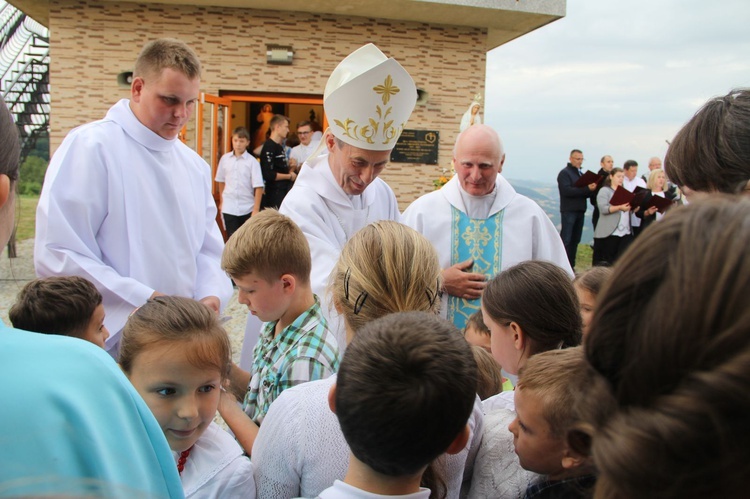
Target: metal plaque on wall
417,146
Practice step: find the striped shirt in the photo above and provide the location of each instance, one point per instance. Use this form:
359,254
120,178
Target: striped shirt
303,351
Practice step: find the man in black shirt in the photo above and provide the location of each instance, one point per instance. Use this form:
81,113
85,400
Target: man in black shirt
274,165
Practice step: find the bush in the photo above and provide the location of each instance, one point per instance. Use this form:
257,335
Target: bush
32,175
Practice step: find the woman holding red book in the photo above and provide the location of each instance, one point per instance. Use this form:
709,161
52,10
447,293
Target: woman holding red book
613,233
652,210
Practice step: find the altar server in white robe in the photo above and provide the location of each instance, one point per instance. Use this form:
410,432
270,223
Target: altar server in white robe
480,225
368,99
127,205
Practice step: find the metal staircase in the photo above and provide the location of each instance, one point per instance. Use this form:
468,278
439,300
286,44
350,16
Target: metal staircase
24,72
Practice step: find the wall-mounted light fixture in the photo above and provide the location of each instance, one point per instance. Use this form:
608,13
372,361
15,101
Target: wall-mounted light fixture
124,79
279,54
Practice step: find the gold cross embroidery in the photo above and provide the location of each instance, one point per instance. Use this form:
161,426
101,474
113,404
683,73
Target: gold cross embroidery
386,89
476,237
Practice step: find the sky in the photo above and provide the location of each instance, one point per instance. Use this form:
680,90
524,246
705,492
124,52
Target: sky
617,77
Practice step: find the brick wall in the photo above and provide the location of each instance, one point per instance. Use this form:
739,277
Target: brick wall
92,42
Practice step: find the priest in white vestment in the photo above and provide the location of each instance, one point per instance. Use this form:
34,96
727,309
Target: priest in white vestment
480,225
367,99
127,205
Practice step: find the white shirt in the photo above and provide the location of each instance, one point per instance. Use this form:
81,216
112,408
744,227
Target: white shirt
132,213
630,185
528,233
341,490
302,152
300,449
497,471
241,176
623,227
503,400
217,468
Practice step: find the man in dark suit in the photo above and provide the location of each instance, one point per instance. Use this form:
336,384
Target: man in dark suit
572,204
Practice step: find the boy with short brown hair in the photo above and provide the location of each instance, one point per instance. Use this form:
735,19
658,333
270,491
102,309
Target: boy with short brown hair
68,306
545,410
403,397
240,183
476,332
268,258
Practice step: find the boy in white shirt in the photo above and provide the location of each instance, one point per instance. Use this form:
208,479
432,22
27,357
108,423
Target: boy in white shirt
240,183
403,396
305,148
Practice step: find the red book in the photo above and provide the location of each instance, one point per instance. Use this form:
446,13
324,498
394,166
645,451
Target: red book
639,194
588,178
662,204
622,196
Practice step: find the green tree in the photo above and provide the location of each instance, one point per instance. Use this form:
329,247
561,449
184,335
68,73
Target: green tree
41,148
32,175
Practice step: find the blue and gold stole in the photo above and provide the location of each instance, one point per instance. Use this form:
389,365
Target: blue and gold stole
479,239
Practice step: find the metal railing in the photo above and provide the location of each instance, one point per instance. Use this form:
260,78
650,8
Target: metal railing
24,73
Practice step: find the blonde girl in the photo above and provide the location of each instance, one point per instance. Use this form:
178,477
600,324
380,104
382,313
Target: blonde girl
178,356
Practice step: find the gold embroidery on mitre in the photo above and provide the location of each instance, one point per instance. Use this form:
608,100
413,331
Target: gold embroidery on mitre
387,89
369,132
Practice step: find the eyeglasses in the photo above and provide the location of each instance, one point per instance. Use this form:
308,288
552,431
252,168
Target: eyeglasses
304,133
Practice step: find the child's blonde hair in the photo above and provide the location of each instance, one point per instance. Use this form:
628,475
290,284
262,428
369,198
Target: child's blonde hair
173,319
489,373
270,245
556,377
384,268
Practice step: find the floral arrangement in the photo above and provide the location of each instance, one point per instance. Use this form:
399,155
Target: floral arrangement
445,176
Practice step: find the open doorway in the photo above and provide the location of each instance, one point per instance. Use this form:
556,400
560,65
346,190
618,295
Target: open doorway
209,131
255,110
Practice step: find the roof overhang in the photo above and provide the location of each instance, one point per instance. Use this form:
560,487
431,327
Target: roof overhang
504,20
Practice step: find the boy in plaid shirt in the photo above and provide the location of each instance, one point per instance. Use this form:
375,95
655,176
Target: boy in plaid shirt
268,259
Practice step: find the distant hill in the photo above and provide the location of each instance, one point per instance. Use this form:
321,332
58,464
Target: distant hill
548,197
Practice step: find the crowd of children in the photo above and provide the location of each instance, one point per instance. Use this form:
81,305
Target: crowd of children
654,404
300,449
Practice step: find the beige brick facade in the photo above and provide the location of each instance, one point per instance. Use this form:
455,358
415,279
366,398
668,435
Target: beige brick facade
93,41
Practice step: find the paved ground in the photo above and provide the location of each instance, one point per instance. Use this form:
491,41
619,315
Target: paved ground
15,272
